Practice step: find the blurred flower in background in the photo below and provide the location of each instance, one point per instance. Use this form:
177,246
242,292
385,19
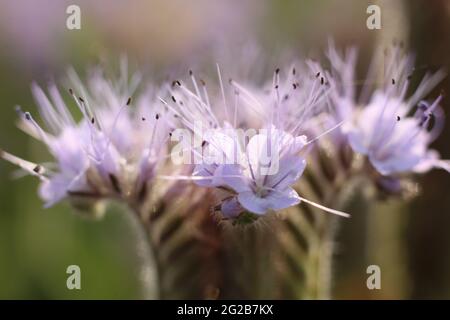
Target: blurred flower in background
412,245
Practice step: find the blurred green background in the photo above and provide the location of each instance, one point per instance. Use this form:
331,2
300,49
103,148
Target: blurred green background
410,242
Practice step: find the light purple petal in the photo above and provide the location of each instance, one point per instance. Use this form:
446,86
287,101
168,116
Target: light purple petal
273,201
207,171
231,175
291,167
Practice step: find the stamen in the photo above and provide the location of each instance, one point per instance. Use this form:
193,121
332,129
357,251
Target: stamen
153,132
223,92
30,167
205,93
236,102
249,98
79,101
191,74
111,131
326,132
43,135
326,209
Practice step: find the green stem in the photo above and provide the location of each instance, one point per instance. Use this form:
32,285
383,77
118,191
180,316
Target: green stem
149,272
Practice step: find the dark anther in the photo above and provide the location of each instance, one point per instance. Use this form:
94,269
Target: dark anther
37,169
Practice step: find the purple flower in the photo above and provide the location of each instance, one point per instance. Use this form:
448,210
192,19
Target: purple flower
113,151
263,181
257,170
394,131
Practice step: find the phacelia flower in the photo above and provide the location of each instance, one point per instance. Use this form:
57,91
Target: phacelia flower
393,130
112,152
255,168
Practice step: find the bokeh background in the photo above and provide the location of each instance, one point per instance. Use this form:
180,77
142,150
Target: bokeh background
409,240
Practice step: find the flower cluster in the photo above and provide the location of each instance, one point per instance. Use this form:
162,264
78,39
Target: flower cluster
113,151
394,131
250,142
